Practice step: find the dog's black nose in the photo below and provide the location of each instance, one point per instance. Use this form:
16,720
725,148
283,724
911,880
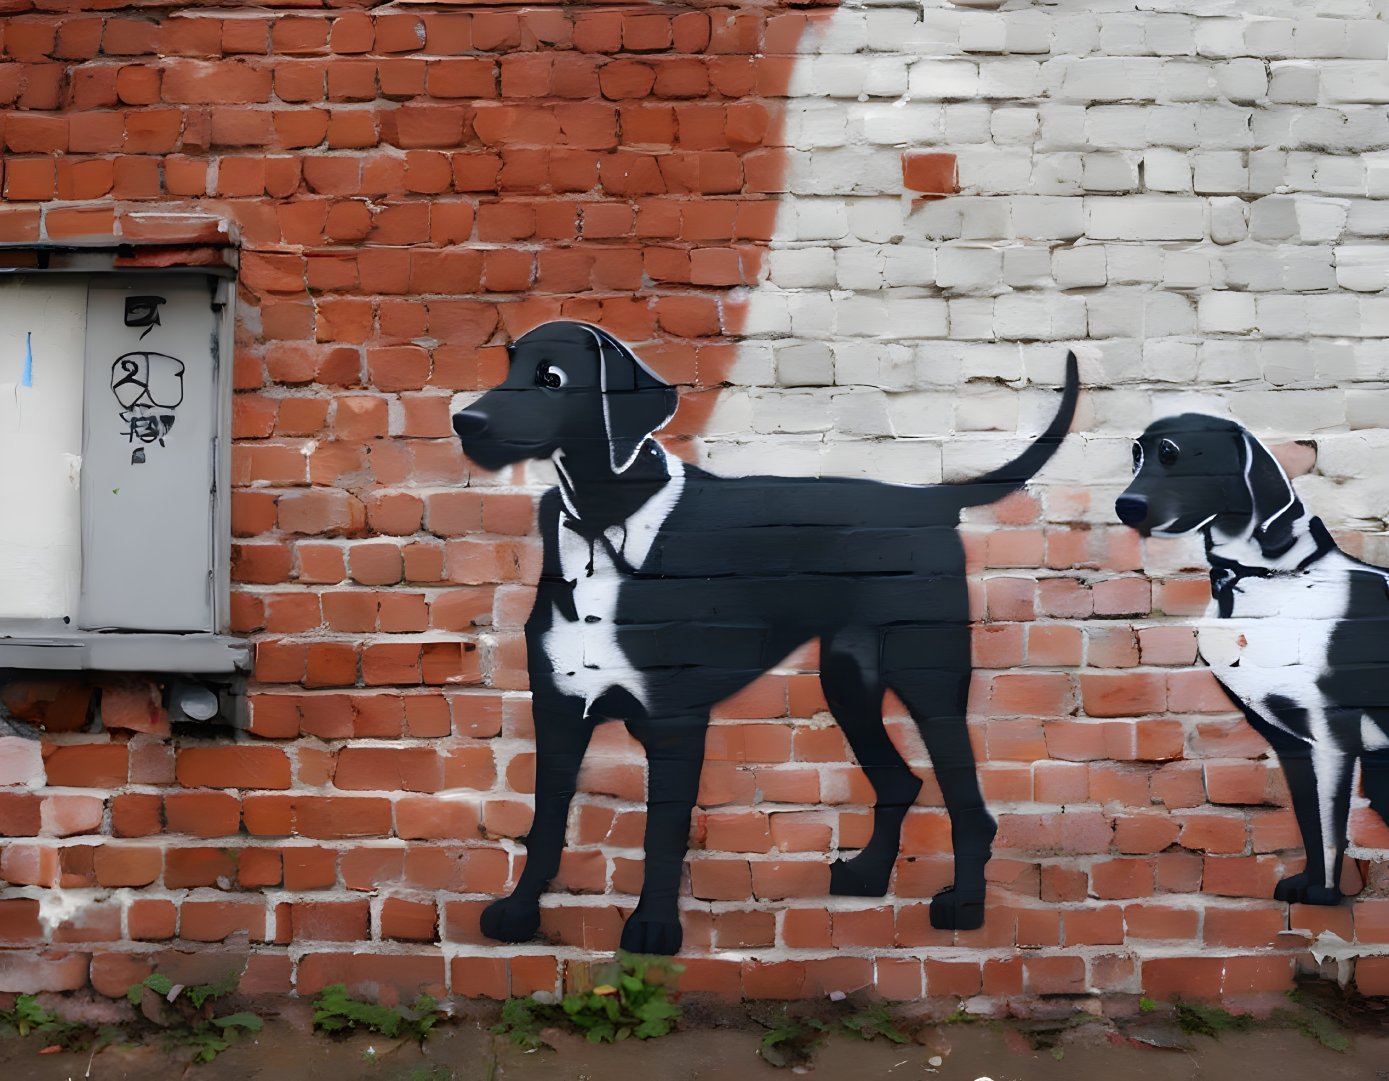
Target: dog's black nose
1131,509
469,422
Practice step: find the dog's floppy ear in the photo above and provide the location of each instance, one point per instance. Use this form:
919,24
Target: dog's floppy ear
636,401
1275,504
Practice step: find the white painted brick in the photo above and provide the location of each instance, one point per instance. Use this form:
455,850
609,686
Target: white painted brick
907,461
1339,175
1170,34
788,411
821,219
984,34
1166,170
767,313
1363,268
1170,361
801,268
1227,361
1267,169
1133,264
811,317
1220,37
1333,315
1187,269
909,264
1182,81
1109,79
969,268
1224,126
1013,77
1058,174
860,412
1027,267
921,413
1110,171
1145,217
1226,313
1064,127
940,80
876,221
966,121
883,77
1308,269
1269,37
1289,410
972,318
1174,125
890,317
897,124
860,266
1273,218
1217,172
1229,220
1014,126
1047,218
1031,32
1279,315
1367,218
984,219
1028,317
754,364
1321,219
1376,175
992,360
1122,34
996,169
1366,39
813,125
990,411
804,364
886,365
1079,267
846,33
1243,80
731,415
1294,82
1321,38
1073,34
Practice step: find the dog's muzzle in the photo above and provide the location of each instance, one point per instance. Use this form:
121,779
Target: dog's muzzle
469,422
1131,509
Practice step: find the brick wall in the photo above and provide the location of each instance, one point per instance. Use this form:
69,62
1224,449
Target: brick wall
861,239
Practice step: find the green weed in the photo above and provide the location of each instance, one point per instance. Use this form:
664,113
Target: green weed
186,1016
336,1011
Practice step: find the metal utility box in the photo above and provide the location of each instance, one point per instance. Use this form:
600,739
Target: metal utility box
114,416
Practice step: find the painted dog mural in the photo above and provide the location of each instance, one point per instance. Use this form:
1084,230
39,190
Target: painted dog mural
665,589
1295,629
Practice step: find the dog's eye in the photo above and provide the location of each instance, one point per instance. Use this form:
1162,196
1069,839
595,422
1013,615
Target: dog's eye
1168,452
1137,457
552,376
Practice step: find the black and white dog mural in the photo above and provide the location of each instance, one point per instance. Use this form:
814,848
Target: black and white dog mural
665,589
1296,630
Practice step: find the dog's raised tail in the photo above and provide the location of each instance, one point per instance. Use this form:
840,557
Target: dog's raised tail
1008,478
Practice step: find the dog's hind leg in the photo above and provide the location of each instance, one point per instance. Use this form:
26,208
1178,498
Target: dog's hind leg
937,698
850,676
561,736
674,758
1319,784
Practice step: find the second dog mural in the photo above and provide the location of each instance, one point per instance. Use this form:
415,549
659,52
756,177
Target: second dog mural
1296,631
665,589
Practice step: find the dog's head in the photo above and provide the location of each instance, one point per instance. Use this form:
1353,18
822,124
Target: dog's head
1193,471
571,388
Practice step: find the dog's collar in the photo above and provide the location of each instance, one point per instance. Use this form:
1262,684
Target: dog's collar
1226,574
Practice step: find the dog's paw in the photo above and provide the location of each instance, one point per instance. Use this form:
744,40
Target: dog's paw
1297,890
952,910
644,935
856,878
511,920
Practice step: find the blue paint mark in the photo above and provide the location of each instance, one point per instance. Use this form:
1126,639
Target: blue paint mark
27,379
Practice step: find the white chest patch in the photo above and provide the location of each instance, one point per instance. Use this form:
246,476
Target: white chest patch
1275,641
584,653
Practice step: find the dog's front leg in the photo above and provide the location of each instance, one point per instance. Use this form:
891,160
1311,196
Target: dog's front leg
562,734
674,758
